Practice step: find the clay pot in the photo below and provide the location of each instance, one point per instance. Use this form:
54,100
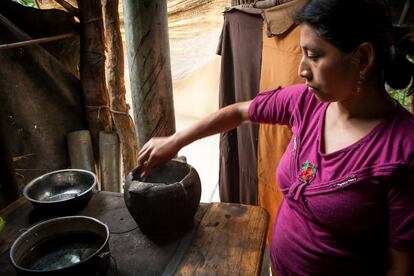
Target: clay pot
166,199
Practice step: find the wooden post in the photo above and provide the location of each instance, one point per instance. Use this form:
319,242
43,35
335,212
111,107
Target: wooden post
148,52
116,85
92,70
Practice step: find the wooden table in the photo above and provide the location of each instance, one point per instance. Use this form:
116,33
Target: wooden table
225,239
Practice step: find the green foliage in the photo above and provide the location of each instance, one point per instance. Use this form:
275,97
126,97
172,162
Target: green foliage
27,3
401,96
2,223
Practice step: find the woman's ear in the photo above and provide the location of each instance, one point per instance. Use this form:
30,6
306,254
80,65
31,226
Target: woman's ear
366,58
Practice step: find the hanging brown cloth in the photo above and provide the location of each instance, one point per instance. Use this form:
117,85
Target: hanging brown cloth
241,47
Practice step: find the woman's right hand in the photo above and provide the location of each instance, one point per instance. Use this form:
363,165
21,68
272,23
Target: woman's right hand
157,151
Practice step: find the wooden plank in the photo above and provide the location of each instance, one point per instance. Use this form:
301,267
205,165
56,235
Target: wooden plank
229,241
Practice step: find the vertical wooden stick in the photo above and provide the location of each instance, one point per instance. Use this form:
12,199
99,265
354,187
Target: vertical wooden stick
116,85
92,70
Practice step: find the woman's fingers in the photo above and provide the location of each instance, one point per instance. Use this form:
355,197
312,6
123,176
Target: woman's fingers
147,166
143,156
145,147
146,157
154,152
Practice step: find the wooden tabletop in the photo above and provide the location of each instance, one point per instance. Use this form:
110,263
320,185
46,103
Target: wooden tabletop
225,239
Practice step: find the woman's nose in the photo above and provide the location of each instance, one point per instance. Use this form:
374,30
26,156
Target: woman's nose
303,70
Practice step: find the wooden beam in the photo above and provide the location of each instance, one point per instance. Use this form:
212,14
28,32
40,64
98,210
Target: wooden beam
116,86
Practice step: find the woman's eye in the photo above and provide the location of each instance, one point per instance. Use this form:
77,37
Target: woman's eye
313,56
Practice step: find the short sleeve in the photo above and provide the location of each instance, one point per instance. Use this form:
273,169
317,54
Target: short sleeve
275,106
401,213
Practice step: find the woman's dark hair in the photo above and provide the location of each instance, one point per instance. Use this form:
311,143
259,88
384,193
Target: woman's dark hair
348,23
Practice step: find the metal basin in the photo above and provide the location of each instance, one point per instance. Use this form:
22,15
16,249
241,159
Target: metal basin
62,246
61,191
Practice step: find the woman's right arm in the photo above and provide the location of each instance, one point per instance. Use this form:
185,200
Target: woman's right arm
161,149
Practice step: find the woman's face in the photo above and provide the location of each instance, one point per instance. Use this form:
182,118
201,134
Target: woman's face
328,73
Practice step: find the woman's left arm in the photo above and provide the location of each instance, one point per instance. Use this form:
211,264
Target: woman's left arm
400,201
400,264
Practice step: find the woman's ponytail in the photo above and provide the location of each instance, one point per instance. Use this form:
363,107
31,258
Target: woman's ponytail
398,69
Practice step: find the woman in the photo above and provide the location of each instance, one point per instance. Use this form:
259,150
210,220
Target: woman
348,173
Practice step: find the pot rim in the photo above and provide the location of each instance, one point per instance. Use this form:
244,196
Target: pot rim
183,181
40,225
31,183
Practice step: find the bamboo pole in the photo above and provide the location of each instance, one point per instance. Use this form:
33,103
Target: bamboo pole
92,70
148,52
116,85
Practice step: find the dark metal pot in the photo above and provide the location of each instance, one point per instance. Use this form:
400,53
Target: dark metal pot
62,191
73,245
165,200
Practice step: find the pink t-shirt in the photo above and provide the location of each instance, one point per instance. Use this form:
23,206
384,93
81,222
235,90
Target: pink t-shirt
341,211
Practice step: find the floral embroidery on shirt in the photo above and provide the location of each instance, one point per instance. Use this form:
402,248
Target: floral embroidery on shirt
307,172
